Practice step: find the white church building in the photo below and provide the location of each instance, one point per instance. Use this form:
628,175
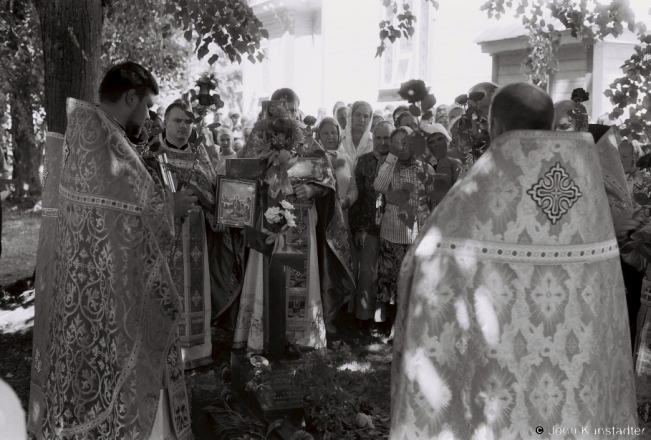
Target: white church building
325,50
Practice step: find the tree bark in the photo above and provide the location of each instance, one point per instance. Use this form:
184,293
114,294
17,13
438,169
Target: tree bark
71,31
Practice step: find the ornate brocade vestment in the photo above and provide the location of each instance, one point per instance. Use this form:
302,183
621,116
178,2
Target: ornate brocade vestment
189,262
112,340
44,271
513,311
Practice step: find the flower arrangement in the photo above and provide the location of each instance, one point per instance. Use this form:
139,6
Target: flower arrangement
207,81
473,125
280,138
276,216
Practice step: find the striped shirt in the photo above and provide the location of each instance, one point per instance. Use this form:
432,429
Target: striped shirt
393,175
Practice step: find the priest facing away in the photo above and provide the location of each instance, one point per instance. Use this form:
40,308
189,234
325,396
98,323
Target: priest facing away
512,320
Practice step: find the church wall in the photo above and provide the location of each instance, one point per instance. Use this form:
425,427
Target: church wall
350,38
573,73
456,60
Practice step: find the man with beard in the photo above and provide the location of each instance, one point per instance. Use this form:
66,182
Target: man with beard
107,360
191,168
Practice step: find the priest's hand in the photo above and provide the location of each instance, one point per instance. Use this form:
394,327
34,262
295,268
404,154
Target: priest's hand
345,203
625,224
358,239
184,201
303,192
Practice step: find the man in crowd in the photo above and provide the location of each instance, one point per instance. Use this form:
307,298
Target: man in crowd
191,168
111,358
513,312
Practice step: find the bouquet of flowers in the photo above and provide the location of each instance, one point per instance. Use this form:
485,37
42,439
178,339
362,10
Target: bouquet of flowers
280,139
473,125
276,216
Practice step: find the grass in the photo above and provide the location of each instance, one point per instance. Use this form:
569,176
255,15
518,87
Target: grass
19,242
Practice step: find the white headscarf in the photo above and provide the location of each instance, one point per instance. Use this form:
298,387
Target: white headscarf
365,143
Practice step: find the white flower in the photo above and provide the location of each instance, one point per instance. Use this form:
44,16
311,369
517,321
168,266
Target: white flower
289,217
285,204
273,214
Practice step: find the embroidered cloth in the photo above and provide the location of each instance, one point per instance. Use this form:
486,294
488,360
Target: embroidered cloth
612,169
44,271
112,340
512,310
189,265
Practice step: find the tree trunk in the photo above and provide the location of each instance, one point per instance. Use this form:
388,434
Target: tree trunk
27,154
71,31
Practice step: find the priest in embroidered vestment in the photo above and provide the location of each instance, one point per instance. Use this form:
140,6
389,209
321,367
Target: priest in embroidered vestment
112,363
319,293
514,312
191,168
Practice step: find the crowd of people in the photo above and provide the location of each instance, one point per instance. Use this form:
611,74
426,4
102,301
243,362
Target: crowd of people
506,298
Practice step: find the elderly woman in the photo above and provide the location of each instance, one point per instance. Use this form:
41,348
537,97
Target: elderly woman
400,167
358,139
328,134
365,216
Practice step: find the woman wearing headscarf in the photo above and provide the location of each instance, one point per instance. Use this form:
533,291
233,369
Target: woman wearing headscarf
447,168
358,139
399,168
365,217
328,135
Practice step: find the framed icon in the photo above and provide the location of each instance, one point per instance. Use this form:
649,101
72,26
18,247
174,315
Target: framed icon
236,202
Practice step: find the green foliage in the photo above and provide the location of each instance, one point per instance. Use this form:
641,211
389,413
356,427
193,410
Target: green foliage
333,406
229,24
632,92
402,27
21,91
138,30
590,25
